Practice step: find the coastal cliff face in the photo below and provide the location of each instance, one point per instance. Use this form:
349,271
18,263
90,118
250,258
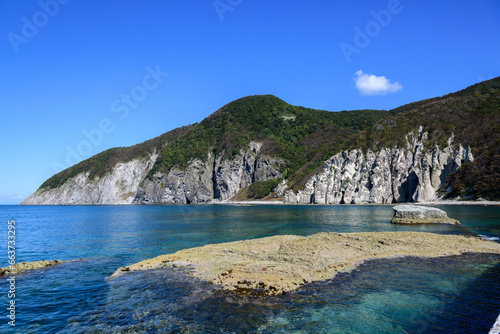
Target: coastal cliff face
213,179
201,182
391,175
117,187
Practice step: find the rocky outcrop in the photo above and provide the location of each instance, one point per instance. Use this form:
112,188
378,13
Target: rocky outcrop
413,214
192,185
276,265
28,266
391,175
216,178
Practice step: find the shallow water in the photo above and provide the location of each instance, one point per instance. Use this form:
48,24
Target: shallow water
404,295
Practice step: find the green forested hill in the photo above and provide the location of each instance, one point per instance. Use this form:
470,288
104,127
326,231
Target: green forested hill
304,137
104,162
472,115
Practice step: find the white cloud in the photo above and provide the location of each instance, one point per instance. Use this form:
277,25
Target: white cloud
369,84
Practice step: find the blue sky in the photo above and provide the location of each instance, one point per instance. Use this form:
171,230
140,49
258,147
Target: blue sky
78,78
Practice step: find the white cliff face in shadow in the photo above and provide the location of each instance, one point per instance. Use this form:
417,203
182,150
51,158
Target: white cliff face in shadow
388,176
213,179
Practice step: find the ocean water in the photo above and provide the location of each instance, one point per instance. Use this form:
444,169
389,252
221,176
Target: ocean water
459,294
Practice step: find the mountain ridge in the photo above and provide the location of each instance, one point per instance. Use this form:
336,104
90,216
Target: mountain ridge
292,143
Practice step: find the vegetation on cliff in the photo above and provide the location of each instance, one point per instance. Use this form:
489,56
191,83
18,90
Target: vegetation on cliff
104,162
472,115
304,137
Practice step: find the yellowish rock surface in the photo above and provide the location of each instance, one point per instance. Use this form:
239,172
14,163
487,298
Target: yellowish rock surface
279,264
27,266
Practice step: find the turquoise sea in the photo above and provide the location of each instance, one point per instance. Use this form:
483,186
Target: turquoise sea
459,294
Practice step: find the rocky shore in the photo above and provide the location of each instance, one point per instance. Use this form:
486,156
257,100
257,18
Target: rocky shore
279,264
26,266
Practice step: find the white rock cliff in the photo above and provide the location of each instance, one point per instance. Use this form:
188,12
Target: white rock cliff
391,175
117,187
201,182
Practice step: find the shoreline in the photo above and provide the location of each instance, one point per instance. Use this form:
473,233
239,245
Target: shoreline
280,202
457,202
445,202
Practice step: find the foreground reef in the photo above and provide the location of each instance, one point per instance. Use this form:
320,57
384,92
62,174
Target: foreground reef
279,264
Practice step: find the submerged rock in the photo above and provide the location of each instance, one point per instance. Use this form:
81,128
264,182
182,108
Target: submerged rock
496,327
25,266
416,214
279,264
